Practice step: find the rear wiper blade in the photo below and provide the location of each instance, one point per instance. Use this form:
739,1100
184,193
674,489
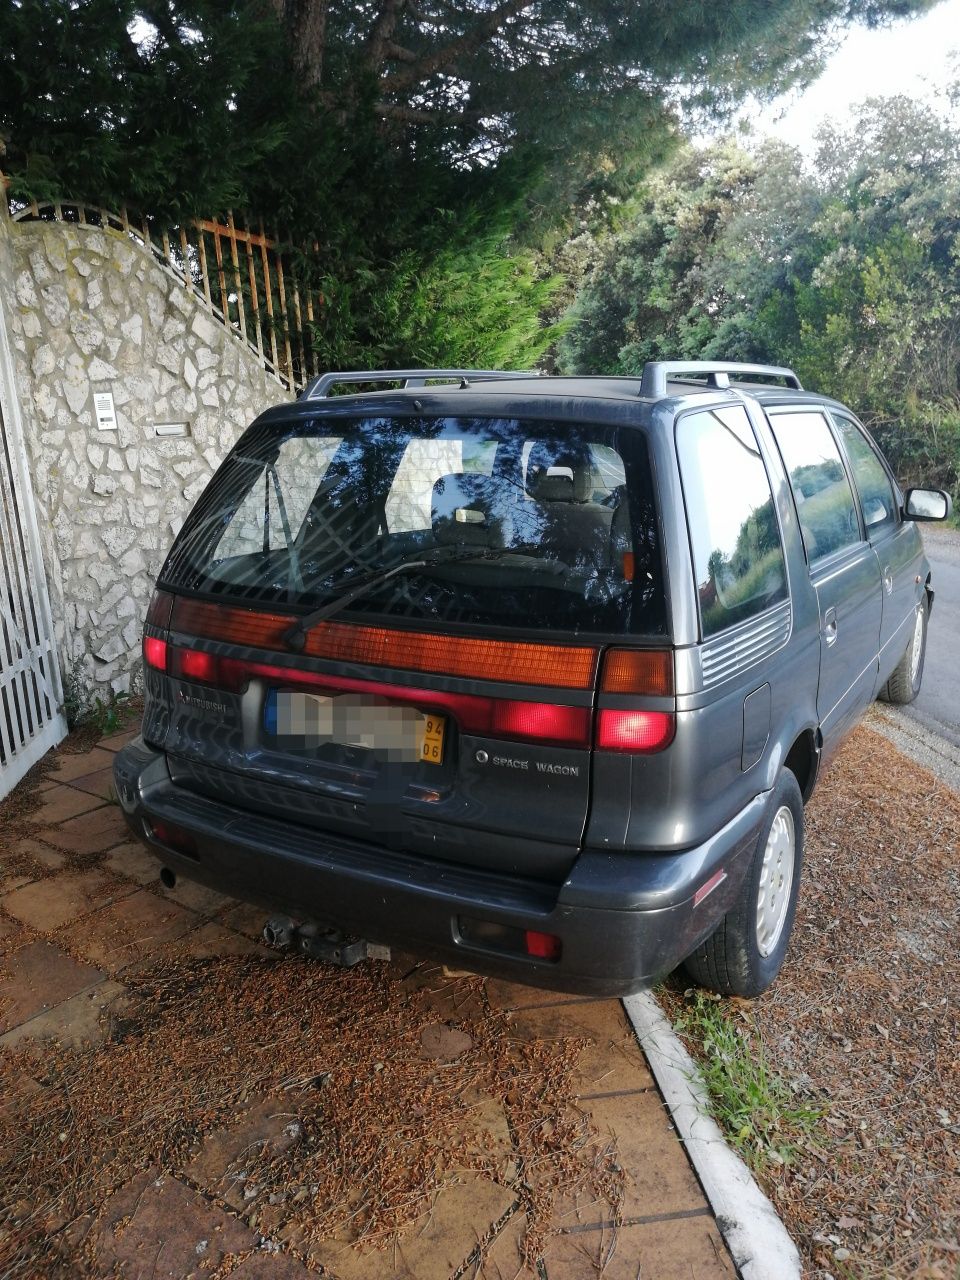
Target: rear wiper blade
296,637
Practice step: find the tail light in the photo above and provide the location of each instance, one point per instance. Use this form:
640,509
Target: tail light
155,647
643,672
637,731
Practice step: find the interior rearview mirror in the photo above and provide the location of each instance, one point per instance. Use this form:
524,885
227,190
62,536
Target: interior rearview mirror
927,504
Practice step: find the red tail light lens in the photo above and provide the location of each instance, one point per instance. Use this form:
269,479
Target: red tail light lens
191,664
172,836
639,731
541,722
155,653
545,946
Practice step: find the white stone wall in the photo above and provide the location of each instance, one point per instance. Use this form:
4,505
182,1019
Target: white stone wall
92,311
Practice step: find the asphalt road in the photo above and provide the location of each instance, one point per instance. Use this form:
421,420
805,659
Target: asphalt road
938,706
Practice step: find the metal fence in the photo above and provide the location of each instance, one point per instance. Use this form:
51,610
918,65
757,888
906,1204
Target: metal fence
250,281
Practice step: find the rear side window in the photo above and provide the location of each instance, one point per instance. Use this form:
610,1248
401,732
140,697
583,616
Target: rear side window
477,522
877,497
825,505
734,534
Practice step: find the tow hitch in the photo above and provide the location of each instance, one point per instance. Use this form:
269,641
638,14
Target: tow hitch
322,942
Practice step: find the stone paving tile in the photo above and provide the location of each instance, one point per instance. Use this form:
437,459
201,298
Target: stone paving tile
677,1249
117,741
49,859
156,1227
133,862
93,832
211,940
247,919
433,1248
127,930
267,1266
76,1021
612,1063
10,882
268,1126
511,995
79,764
197,897
61,803
37,977
12,934
53,902
658,1176
99,783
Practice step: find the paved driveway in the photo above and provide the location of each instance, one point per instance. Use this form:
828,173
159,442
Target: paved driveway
181,1101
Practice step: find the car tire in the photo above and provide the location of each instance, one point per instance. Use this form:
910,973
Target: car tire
904,684
745,952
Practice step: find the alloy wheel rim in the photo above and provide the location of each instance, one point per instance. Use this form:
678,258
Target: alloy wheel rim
776,880
917,649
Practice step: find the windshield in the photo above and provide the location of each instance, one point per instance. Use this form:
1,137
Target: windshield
518,524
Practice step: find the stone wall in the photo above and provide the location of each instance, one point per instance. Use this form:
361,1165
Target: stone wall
91,312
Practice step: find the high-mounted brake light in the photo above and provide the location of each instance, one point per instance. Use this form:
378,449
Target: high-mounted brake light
637,731
643,671
155,653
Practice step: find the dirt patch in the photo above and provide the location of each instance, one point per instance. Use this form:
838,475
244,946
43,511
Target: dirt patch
372,1127
863,1019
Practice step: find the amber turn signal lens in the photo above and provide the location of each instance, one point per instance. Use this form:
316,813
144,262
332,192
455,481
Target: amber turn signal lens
648,671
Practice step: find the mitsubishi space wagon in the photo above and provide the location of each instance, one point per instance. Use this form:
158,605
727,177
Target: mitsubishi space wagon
530,675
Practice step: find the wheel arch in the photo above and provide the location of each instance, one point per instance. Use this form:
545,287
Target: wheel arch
803,761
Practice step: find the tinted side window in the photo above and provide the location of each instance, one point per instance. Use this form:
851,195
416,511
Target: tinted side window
734,535
825,505
877,498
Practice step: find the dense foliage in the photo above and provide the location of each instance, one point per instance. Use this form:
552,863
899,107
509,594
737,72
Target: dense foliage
386,132
849,271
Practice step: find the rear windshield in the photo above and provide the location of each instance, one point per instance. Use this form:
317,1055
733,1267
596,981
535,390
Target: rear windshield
522,524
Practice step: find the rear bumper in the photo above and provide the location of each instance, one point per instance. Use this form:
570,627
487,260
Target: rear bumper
624,919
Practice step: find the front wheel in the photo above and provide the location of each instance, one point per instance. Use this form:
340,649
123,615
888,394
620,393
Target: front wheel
904,684
745,952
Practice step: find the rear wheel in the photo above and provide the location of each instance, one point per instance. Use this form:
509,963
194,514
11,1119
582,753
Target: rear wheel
745,952
904,684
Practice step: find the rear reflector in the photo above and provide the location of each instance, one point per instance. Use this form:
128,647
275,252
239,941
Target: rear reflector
644,671
708,887
155,653
565,667
545,946
641,731
174,837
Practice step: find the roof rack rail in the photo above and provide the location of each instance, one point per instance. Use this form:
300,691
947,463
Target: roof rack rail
657,373
319,388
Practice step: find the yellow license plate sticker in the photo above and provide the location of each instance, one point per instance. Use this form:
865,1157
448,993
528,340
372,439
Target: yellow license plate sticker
431,747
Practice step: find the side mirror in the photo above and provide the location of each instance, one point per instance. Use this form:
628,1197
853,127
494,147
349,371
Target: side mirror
926,504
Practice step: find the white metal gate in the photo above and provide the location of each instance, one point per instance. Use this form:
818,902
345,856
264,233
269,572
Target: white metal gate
31,695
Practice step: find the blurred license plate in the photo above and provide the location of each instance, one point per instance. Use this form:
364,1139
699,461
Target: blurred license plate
353,720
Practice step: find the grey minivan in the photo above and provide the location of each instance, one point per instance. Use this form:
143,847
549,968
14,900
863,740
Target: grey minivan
532,675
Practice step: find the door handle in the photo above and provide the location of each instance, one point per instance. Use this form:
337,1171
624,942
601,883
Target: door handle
887,580
830,625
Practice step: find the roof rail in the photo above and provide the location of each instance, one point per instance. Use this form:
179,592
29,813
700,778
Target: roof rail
656,374
319,388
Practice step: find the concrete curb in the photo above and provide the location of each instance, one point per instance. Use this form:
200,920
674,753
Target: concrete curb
755,1236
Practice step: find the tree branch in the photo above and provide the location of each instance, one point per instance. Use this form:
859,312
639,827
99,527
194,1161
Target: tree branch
467,43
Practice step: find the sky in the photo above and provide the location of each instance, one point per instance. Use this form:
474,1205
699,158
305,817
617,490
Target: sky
914,56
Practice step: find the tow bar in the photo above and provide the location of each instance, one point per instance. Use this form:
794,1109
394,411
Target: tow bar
322,942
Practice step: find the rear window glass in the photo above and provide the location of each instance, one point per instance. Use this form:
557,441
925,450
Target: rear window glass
522,524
